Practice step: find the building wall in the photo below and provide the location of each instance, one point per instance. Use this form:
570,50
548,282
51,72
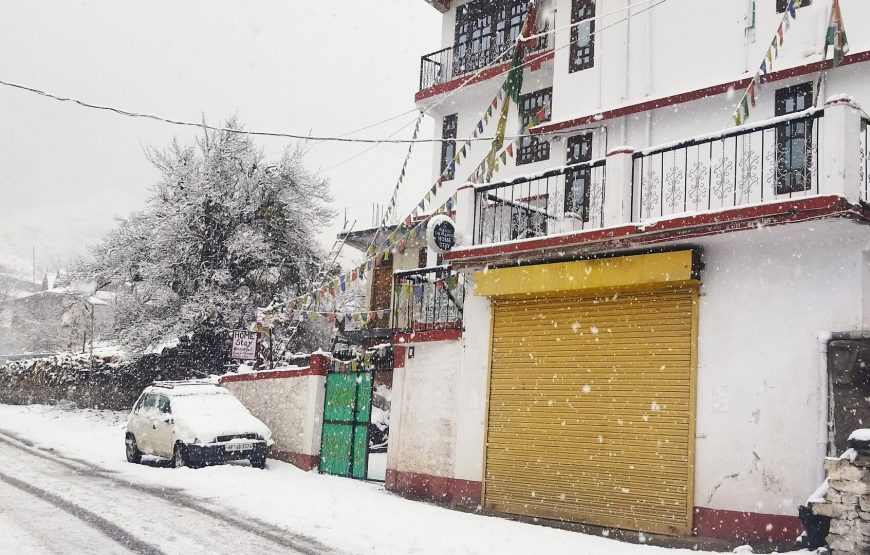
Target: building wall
290,403
639,61
765,298
423,419
437,419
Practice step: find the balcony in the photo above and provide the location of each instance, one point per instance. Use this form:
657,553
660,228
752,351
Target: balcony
808,165
567,199
461,60
768,163
427,299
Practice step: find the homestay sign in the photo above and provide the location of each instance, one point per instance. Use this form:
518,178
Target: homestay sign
244,345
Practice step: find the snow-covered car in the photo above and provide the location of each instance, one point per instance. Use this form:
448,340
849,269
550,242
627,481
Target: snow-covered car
194,424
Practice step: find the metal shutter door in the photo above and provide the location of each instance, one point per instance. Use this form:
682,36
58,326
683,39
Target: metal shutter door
591,409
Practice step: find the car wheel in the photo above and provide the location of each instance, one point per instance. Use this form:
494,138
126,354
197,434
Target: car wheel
258,461
179,455
132,449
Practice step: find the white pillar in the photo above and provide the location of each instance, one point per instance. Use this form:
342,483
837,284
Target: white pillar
465,213
617,187
841,143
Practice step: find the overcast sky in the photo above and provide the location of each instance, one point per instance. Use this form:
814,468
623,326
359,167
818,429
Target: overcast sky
324,67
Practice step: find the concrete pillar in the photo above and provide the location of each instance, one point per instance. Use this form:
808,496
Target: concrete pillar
617,187
840,149
466,210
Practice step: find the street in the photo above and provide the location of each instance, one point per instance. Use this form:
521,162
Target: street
50,504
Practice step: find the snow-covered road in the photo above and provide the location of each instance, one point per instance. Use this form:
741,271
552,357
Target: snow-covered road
77,456
50,504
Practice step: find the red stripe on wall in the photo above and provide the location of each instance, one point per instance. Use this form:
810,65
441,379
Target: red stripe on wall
304,462
708,523
690,96
734,525
683,227
427,336
534,60
436,489
318,366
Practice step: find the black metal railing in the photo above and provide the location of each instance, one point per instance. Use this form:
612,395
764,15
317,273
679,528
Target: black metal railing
775,161
455,61
427,299
864,162
558,201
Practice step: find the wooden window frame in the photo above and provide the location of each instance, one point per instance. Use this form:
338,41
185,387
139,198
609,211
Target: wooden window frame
582,56
449,129
482,28
576,155
532,149
793,178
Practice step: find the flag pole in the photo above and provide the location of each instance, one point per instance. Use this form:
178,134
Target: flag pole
818,89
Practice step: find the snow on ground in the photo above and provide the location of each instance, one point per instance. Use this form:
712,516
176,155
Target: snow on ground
350,515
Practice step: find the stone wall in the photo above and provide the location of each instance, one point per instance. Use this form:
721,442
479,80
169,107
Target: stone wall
847,502
107,383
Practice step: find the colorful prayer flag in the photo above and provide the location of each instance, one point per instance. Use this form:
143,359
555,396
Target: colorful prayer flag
836,35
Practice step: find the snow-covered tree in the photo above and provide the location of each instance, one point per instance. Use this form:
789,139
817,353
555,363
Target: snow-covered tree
224,232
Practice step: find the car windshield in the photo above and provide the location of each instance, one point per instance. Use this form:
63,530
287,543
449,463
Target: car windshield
214,404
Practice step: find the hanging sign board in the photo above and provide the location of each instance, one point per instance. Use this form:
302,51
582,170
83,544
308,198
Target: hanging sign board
244,345
441,234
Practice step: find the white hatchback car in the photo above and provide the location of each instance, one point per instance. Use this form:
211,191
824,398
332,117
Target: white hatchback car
194,424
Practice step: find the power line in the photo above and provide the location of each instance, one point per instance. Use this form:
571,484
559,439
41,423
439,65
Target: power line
203,125
343,137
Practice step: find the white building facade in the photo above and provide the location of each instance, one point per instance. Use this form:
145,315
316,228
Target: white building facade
650,292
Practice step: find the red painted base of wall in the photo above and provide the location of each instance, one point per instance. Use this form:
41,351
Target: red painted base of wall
708,523
446,491
304,462
728,525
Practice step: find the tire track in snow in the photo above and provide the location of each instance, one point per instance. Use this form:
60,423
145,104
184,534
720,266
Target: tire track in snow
290,540
112,531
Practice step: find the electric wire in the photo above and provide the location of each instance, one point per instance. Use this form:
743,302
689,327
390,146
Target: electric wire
344,137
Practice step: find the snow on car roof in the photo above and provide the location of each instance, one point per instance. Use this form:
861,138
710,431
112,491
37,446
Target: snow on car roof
174,389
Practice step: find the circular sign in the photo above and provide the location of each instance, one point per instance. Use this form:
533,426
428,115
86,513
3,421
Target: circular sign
441,234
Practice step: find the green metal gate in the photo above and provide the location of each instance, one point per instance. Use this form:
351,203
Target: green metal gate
347,409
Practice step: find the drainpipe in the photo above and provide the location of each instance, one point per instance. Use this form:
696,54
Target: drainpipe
825,435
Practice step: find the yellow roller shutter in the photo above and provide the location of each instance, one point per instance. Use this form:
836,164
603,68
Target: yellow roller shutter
591,409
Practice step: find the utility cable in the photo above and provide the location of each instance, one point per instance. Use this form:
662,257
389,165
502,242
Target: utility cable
340,138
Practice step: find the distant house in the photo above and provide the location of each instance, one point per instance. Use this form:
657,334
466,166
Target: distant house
53,319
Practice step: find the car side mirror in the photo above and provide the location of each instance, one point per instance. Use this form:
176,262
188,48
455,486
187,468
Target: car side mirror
169,420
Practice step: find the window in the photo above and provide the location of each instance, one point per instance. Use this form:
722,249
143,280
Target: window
582,36
484,28
781,5
163,404
448,148
794,140
577,180
536,104
150,401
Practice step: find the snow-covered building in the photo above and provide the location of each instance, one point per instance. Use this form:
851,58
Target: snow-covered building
654,298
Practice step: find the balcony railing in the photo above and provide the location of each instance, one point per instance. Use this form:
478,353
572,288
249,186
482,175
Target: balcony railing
567,199
768,163
453,62
427,299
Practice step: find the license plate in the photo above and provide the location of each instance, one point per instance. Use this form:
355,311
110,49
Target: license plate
238,447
